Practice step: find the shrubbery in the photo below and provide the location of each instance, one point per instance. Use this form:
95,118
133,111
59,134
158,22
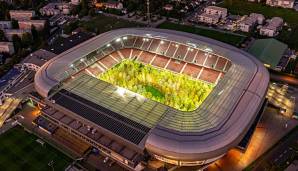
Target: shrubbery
175,90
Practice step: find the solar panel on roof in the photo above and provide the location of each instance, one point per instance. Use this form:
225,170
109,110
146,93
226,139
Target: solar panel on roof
123,127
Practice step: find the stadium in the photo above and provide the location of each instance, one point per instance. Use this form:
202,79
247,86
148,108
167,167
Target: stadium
121,119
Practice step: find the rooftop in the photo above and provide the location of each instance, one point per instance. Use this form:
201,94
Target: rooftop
67,43
39,57
269,51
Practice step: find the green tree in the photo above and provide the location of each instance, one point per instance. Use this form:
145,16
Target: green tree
4,10
15,24
17,42
27,40
2,36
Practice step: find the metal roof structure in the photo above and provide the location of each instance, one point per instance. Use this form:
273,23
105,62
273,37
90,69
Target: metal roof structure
184,138
269,51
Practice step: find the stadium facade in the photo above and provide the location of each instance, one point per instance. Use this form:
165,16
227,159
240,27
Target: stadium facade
129,128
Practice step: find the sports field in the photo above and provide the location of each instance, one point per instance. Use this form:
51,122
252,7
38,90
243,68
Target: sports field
19,151
176,90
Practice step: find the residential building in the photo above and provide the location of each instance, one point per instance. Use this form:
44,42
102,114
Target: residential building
209,19
272,27
21,14
110,5
36,59
218,11
212,15
168,7
249,22
55,9
75,2
6,47
281,3
19,32
259,17
27,24
5,25
7,1
255,1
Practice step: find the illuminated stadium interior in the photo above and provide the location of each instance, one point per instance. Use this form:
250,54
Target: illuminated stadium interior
176,90
86,78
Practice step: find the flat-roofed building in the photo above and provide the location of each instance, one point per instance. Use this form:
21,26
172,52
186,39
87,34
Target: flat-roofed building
281,3
6,47
5,25
272,27
27,24
212,15
109,5
214,10
36,59
207,18
259,17
55,9
7,1
19,32
247,24
21,14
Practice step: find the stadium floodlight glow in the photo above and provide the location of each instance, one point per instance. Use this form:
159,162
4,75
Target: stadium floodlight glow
189,49
176,45
208,49
191,44
71,66
121,91
140,98
118,40
145,39
124,38
108,45
162,42
82,59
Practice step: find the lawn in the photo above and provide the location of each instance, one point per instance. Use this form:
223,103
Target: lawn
20,151
289,15
100,24
176,90
217,35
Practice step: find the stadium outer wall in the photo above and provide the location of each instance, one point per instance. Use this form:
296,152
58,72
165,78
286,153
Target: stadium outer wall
182,146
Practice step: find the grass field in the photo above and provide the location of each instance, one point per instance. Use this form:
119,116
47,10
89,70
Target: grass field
175,90
217,35
289,15
19,151
100,24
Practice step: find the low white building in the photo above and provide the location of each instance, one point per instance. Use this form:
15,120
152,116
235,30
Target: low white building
259,17
249,22
21,14
212,15
75,2
27,24
272,27
218,11
209,19
19,32
55,9
281,3
5,25
6,47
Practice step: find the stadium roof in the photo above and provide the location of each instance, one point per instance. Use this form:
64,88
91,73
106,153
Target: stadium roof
218,124
269,51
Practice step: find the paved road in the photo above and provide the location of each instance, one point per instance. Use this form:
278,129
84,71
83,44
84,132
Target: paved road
280,154
284,78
